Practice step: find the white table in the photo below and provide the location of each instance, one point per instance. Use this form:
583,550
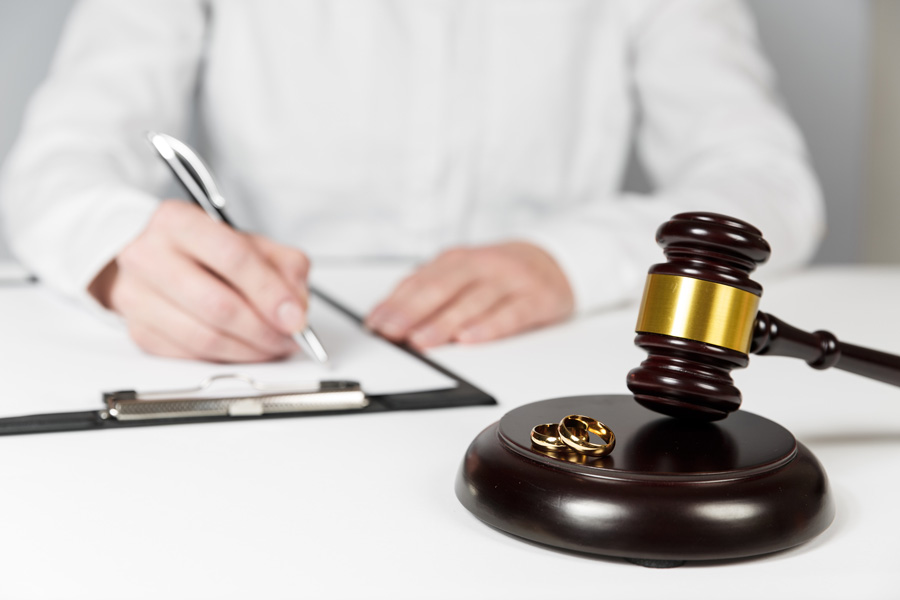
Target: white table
343,507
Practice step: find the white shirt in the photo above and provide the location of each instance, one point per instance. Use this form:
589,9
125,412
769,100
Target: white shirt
400,127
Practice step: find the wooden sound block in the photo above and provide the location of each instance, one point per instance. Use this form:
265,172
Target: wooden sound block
670,491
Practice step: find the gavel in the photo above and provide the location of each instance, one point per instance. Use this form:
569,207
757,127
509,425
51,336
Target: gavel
699,319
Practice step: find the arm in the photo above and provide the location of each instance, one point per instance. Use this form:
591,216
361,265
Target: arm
80,184
712,136
80,195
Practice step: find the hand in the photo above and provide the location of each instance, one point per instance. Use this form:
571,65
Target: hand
474,295
191,287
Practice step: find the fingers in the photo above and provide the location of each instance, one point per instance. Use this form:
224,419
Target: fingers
422,295
196,311
475,294
189,287
162,328
507,318
184,337
466,309
238,260
290,262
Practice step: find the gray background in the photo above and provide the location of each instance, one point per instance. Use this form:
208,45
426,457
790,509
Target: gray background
822,51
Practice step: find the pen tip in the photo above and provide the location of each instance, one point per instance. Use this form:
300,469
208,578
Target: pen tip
311,345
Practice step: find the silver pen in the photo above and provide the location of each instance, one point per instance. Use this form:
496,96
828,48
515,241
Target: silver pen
193,174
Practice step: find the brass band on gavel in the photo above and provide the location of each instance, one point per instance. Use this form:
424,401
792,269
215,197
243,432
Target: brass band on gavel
694,309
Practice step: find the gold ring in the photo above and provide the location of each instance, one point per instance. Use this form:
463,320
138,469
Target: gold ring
547,437
574,429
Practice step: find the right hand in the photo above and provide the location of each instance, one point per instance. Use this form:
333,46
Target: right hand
191,287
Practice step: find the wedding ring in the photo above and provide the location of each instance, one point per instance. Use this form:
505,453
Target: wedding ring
574,429
547,437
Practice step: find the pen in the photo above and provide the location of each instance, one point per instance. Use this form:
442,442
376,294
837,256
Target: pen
196,178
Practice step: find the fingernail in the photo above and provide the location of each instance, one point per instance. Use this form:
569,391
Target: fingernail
373,321
388,323
426,337
395,327
473,334
290,315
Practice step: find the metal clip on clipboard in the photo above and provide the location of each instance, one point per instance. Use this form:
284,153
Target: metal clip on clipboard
255,400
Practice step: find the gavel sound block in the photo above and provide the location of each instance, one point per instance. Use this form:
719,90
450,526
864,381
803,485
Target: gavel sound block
698,486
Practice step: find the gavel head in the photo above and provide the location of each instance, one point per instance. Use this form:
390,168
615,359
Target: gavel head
697,316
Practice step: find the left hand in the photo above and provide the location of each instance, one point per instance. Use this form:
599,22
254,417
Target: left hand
475,294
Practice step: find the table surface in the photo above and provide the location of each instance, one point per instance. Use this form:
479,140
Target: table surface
352,506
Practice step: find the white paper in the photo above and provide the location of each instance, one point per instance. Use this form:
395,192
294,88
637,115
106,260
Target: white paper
359,284
58,358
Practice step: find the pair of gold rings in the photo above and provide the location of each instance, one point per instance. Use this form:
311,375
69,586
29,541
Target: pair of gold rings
572,433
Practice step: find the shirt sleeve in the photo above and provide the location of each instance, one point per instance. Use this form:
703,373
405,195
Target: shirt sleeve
712,135
81,181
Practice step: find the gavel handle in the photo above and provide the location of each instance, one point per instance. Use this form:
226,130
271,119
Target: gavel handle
822,350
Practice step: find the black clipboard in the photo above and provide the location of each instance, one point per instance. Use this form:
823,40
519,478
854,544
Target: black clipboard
110,413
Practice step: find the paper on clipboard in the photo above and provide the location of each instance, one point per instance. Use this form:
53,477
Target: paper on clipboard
57,358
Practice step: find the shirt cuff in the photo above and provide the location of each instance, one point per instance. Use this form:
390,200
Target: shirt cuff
87,232
598,260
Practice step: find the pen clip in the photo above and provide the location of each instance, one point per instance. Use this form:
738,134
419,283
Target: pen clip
191,172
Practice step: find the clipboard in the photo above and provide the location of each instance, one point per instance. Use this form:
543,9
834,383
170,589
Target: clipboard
142,408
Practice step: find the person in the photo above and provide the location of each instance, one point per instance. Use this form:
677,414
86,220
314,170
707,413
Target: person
486,139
